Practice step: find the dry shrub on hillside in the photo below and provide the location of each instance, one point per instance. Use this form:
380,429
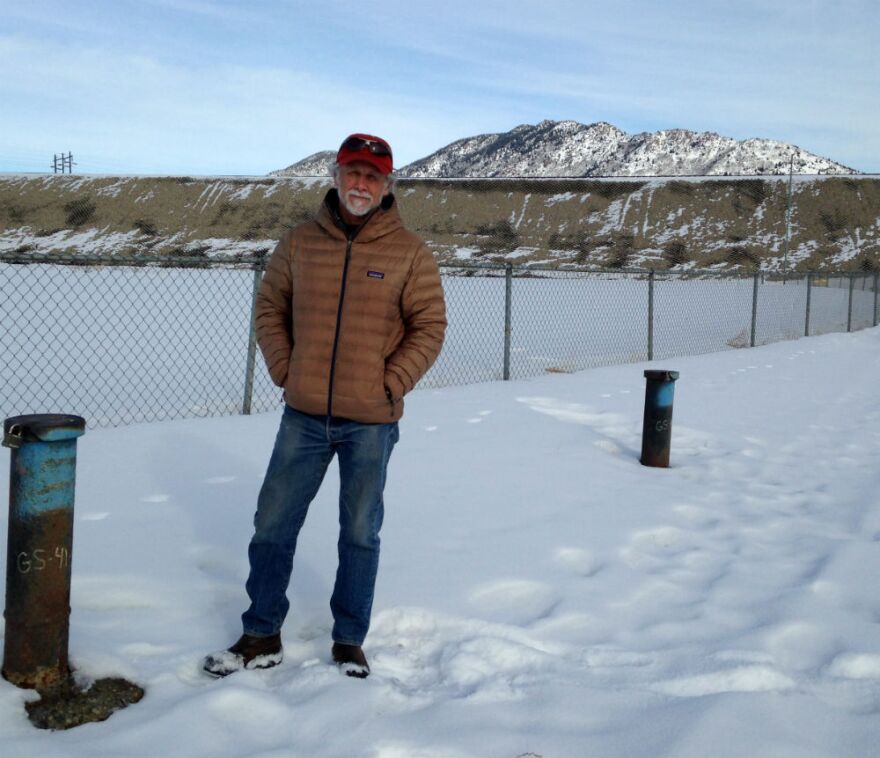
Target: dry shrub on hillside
675,253
80,211
145,226
739,255
499,237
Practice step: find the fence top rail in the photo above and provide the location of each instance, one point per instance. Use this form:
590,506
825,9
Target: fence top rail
520,270
254,262
214,261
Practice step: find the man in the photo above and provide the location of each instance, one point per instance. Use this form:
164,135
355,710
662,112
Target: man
350,315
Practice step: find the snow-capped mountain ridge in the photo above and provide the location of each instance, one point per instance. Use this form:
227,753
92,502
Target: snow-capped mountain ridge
568,148
317,164
572,149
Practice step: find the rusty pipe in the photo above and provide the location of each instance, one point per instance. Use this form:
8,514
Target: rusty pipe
40,546
657,422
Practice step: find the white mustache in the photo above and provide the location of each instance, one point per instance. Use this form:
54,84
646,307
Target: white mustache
359,195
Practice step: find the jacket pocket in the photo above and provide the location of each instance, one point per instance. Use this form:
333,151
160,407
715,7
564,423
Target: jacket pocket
279,371
390,394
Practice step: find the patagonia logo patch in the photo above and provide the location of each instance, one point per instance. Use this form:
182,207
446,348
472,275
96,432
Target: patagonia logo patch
375,274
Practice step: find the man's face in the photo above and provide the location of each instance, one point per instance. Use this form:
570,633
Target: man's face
361,187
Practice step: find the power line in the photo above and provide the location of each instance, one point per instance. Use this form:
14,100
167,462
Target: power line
62,162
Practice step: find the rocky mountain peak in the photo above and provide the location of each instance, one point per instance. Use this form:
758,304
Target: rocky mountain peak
571,149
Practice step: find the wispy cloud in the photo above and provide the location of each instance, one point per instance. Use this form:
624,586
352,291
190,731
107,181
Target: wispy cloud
214,83
254,118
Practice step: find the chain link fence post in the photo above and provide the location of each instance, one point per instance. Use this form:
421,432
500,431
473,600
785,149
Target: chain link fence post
754,308
852,284
252,345
809,293
508,296
651,315
876,277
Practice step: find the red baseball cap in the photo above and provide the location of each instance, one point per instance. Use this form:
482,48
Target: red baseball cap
366,147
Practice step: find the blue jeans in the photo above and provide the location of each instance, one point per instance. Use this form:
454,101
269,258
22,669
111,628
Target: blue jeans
304,447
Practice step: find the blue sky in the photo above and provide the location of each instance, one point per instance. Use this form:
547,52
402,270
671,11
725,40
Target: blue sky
222,87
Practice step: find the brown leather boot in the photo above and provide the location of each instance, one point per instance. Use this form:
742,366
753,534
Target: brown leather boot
351,660
248,653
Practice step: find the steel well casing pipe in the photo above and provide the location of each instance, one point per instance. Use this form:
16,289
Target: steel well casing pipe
657,423
40,547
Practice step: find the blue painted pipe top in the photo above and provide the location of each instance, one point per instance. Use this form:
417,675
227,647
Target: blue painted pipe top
45,427
660,388
44,462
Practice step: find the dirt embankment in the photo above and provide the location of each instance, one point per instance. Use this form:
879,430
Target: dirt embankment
651,222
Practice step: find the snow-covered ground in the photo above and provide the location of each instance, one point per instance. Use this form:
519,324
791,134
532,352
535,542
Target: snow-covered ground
541,593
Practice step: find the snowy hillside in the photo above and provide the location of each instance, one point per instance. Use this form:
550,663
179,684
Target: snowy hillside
572,149
659,223
317,164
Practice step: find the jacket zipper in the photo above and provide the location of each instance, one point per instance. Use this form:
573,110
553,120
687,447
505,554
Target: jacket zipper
338,325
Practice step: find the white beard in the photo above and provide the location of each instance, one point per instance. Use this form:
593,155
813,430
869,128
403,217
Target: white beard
357,204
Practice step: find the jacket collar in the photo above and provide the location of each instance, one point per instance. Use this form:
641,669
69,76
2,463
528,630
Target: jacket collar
380,222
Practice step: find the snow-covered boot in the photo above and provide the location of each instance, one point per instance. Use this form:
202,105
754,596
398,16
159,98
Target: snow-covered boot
351,659
249,652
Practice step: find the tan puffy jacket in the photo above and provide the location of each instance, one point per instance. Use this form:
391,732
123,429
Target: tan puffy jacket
347,327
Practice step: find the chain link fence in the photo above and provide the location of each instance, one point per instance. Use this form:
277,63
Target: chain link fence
121,341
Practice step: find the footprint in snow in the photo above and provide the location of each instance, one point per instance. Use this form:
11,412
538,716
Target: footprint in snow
659,547
856,666
802,646
479,417
514,601
145,649
697,515
217,562
609,657
608,446
94,516
429,657
156,499
577,560
742,679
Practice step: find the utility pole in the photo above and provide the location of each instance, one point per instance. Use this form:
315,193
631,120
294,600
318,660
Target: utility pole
787,222
62,163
